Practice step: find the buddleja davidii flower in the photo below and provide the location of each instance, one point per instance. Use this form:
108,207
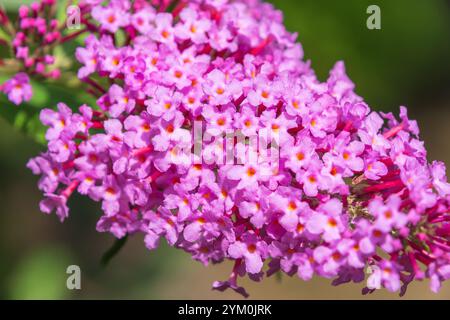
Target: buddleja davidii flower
113,16
386,274
398,219
51,172
34,35
164,103
286,256
120,225
220,89
89,56
38,18
231,283
343,191
251,249
438,173
161,224
18,88
207,226
370,134
182,202
139,131
193,26
119,101
439,272
142,19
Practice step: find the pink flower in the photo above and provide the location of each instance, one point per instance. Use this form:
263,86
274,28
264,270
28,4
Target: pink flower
249,175
192,27
328,221
388,216
251,251
57,121
88,57
323,186
220,89
264,93
18,88
164,103
170,133
164,31
120,101
111,18
298,156
142,20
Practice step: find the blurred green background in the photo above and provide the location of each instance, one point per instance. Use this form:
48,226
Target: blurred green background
407,62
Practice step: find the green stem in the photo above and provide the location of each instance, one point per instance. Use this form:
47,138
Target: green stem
113,251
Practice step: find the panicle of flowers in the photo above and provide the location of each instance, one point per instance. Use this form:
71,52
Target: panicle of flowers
33,37
37,30
353,192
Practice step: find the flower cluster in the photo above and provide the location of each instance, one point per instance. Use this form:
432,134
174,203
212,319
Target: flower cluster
33,38
38,31
352,191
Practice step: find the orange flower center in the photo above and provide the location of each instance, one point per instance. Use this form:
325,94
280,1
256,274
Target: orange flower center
251,248
111,19
251,172
170,128
332,222
300,156
221,121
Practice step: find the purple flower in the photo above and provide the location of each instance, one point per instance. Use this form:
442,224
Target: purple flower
328,221
221,91
248,175
55,202
251,250
340,190
164,103
120,101
439,178
193,27
164,31
56,121
18,88
298,156
111,18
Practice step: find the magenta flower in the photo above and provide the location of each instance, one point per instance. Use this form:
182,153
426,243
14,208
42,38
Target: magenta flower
164,31
18,88
193,27
349,189
220,90
248,175
111,18
251,251
34,37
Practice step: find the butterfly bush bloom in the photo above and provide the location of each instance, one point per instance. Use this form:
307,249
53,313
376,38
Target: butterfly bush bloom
17,88
352,192
33,37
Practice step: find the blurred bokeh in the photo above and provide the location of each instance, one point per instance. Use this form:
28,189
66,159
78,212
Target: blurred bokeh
407,62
